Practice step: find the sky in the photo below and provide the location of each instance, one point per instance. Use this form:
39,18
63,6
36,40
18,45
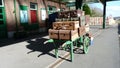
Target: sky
112,8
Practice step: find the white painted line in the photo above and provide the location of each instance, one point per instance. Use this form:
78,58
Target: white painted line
46,37
119,35
97,33
59,61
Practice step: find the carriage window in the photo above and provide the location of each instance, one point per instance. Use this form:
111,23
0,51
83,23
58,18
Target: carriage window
1,21
0,10
1,16
1,2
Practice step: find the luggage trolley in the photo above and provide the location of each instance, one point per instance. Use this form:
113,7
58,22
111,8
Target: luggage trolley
70,32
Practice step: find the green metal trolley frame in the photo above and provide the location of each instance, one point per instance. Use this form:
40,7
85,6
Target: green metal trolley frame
81,41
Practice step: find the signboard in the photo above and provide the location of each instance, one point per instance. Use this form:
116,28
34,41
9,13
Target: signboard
23,16
43,14
70,4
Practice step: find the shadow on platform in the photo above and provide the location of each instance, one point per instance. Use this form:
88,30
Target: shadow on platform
38,45
9,41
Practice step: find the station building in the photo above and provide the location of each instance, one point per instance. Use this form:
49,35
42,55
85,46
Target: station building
20,15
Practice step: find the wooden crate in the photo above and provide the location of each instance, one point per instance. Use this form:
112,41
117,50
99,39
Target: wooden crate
70,25
64,14
57,25
72,13
66,25
81,31
76,13
68,34
53,34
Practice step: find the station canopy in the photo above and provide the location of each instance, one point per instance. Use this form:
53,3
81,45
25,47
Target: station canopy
88,1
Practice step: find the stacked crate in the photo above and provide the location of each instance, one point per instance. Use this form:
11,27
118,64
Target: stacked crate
68,25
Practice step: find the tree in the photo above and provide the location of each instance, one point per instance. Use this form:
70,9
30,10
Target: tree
87,9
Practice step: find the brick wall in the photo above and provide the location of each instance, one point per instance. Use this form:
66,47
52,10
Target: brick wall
10,15
96,20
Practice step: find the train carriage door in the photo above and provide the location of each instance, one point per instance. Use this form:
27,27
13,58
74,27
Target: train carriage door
33,12
3,27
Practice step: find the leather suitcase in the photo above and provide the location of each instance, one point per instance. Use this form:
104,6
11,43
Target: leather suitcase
53,34
57,25
81,31
68,34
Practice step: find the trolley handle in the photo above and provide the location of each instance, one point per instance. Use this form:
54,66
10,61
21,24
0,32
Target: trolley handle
49,41
66,43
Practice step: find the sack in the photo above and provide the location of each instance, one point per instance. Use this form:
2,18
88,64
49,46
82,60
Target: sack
91,41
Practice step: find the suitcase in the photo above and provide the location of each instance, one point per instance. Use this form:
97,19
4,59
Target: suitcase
53,34
68,34
81,31
57,25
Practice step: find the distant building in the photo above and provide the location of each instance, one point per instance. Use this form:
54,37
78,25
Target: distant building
110,20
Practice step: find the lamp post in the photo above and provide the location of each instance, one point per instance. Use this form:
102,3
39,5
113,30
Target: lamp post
79,19
104,14
78,4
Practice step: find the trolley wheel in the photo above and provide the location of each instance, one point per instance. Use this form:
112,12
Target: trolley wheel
86,43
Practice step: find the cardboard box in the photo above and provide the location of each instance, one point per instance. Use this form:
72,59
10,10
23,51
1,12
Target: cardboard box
68,34
53,34
81,31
